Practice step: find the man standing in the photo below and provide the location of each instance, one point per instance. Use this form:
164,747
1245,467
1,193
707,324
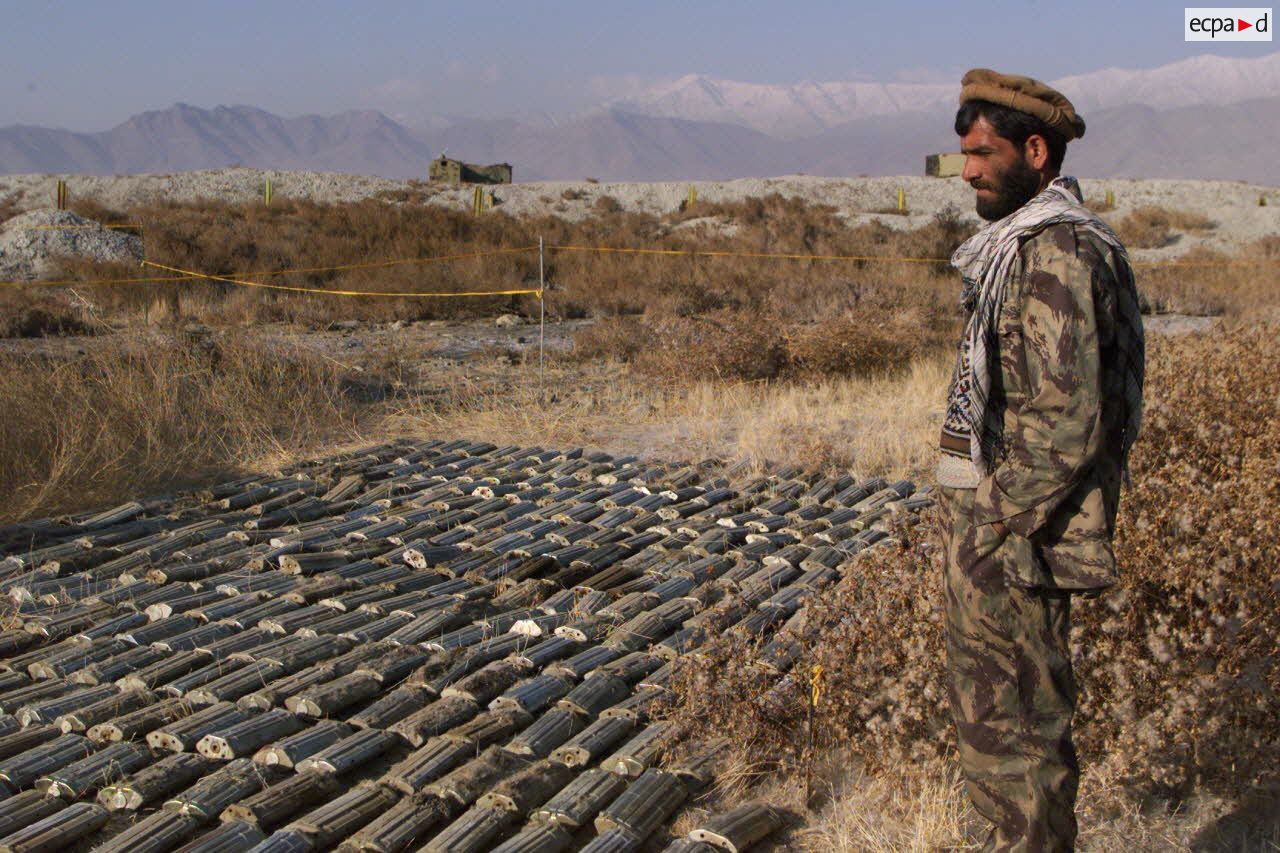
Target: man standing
1042,410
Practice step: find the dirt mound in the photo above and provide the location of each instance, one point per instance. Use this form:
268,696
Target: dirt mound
32,243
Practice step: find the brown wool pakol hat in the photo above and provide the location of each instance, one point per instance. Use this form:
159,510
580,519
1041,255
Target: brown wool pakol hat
1024,95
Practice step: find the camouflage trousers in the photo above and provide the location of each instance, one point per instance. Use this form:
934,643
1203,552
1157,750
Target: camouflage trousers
1011,686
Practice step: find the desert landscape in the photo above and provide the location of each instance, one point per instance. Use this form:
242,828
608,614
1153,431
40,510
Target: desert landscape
639,557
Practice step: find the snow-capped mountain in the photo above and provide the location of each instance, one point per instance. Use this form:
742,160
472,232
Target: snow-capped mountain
806,109
1204,117
786,111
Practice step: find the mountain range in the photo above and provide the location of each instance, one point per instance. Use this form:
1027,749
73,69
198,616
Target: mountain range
1204,117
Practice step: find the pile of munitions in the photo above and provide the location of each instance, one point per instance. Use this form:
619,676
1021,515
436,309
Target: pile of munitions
424,645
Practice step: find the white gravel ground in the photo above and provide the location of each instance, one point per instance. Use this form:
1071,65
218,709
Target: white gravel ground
32,242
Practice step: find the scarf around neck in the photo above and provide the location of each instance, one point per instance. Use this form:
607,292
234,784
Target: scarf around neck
972,431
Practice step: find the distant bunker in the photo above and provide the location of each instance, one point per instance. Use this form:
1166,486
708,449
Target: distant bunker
943,165
443,170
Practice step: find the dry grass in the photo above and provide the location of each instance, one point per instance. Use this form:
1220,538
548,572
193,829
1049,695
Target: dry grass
1208,282
662,293
1152,226
41,312
127,421
916,808
230,239
922,808
885,424
157,414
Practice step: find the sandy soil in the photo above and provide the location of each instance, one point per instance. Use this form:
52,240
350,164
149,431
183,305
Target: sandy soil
1234,206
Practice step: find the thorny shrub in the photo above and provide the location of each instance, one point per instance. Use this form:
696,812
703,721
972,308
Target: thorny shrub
1179,666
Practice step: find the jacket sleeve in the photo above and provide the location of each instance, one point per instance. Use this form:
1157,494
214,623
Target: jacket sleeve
1056,429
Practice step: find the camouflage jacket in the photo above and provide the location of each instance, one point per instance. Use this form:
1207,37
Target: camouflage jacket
1060,388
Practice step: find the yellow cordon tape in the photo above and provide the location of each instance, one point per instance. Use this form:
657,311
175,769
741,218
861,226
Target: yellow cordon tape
324,292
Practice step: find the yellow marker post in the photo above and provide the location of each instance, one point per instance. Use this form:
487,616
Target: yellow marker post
817,678
902,200
266,192
693,195
1111,198
477,201
62,195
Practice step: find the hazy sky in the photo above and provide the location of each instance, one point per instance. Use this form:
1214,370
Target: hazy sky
90,65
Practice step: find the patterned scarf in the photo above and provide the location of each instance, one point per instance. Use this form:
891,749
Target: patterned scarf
972,432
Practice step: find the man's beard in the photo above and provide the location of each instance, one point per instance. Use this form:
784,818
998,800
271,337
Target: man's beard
1014,188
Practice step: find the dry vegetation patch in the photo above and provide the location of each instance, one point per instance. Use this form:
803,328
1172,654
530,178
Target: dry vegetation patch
1152,226
1179,666
1206,282
239,239
37,313
881,425
695,356
167,412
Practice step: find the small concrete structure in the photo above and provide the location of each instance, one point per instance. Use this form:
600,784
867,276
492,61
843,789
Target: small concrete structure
446,171
943,165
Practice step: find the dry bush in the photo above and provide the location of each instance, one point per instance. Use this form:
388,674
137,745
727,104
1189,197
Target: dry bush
747,318
725,344
864,343
1206,282
43,312
616,338
1153,226
1179,666
122,422
413,192
750,345
91,208
9,205
606,204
